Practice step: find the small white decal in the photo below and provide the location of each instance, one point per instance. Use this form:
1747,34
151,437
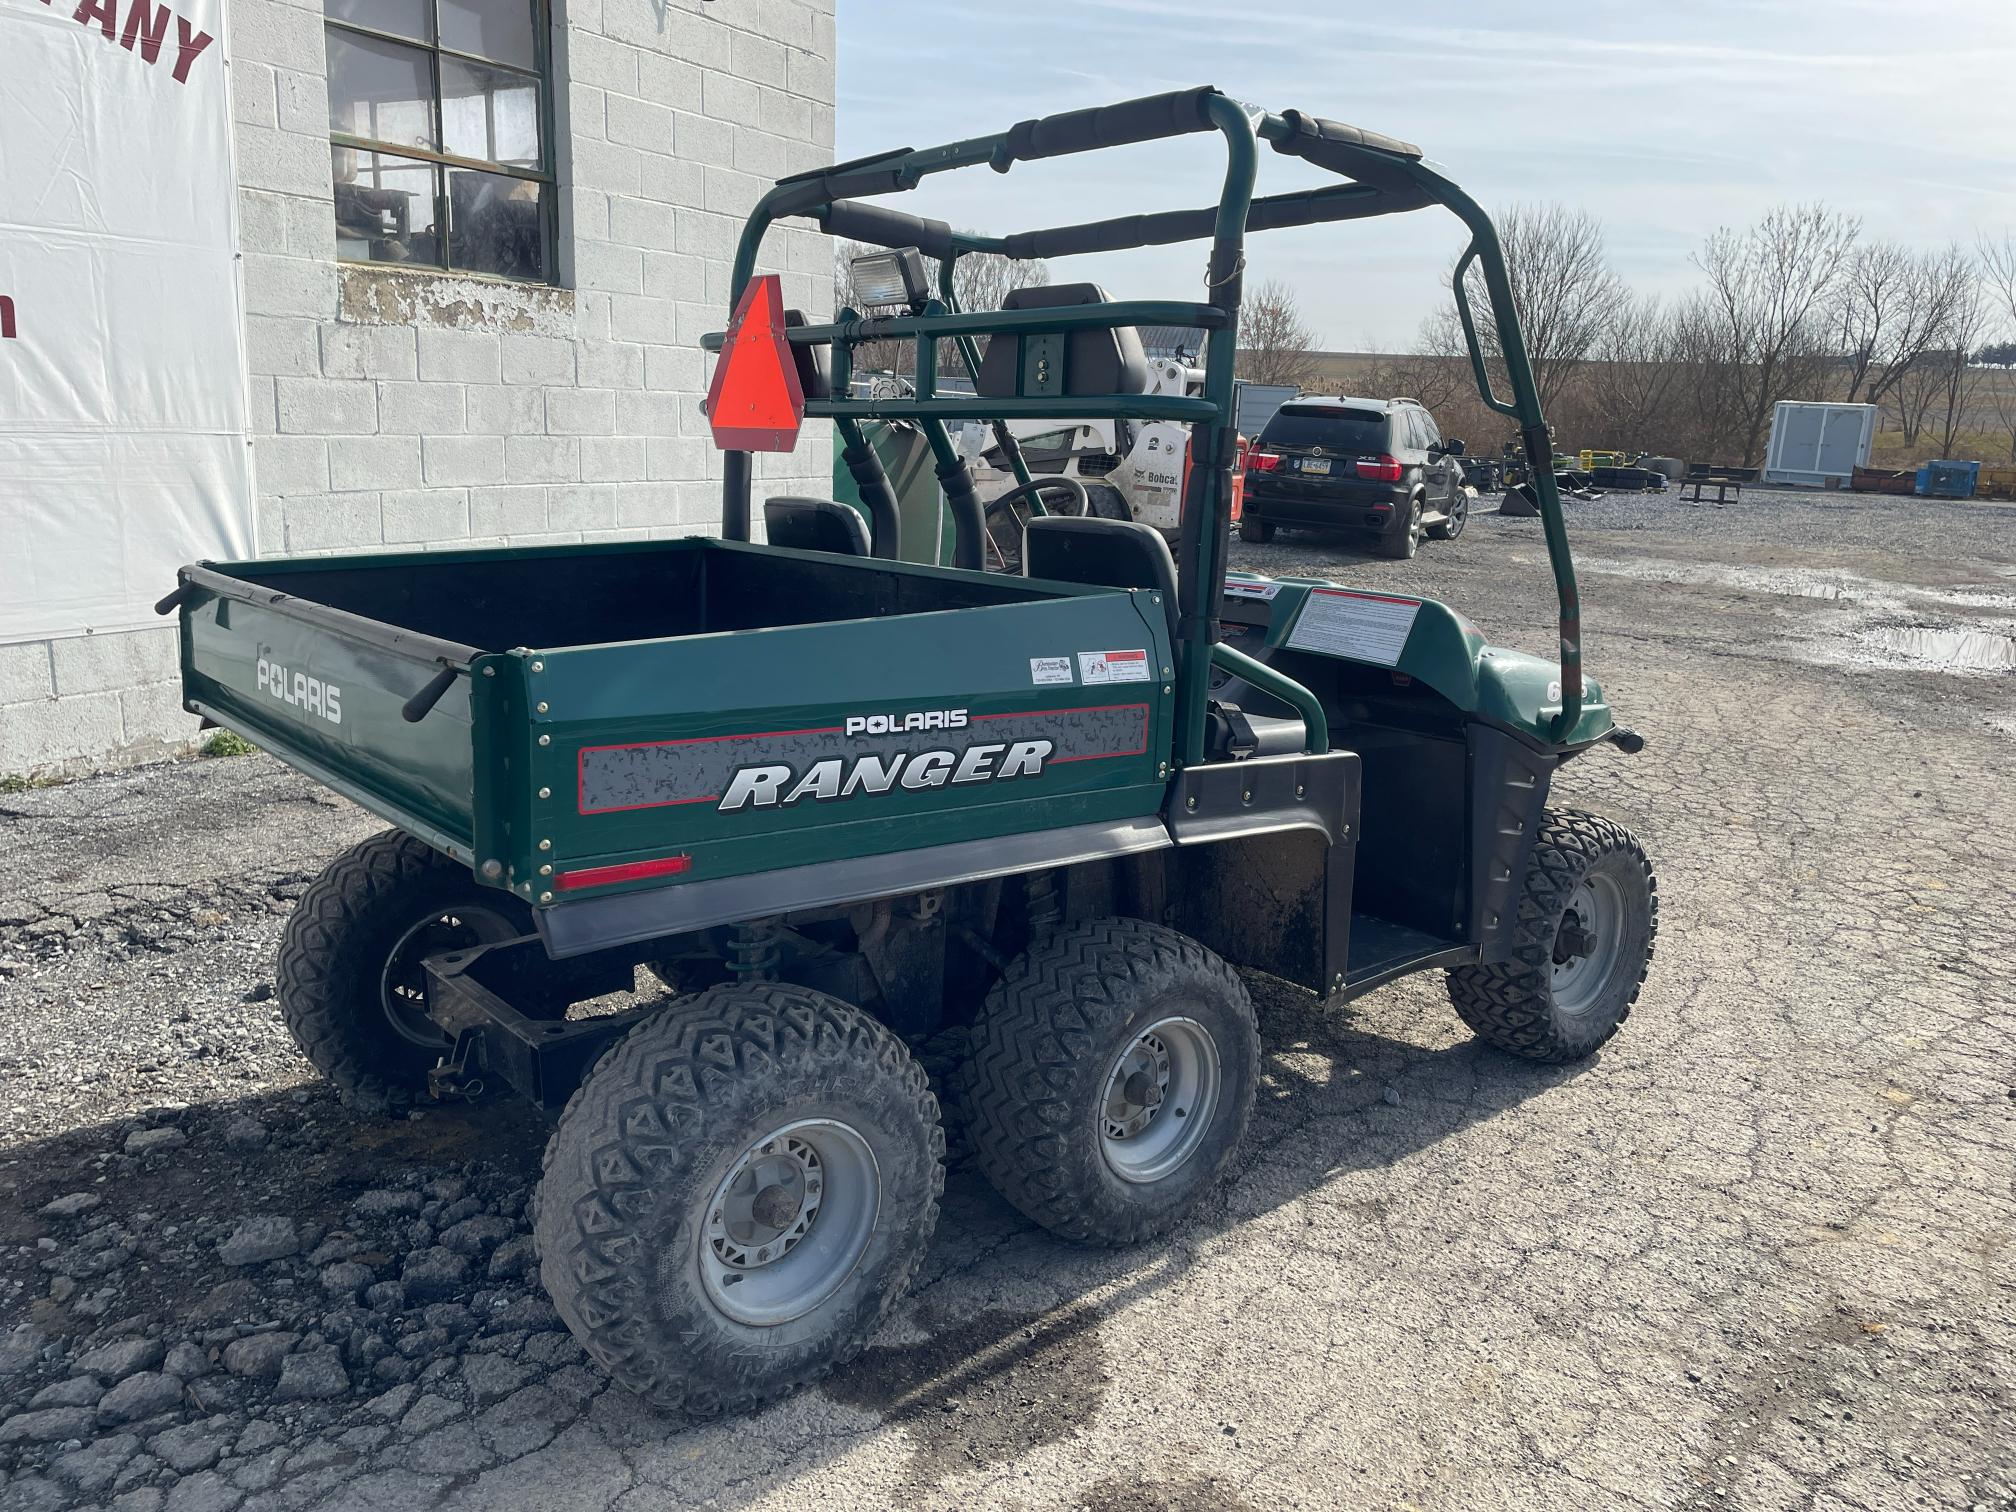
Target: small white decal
1095,667
1265,592
1049,669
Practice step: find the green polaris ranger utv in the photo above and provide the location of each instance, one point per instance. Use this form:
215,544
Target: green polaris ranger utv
834,801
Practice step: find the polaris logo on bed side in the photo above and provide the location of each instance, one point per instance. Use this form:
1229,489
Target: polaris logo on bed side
903,724
778,785
309,694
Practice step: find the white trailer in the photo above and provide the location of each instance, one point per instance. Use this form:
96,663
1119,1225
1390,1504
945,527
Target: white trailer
1818,445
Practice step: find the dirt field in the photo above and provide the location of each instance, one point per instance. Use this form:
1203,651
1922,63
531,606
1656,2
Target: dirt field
1760,1253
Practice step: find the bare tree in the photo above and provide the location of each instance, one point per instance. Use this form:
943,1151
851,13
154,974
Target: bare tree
1966,324
1769,288
1275,346
1563,288
1890,306
1634,376
1998,267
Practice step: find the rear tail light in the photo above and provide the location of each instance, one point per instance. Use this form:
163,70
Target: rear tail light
628,871
1262,461
1379,469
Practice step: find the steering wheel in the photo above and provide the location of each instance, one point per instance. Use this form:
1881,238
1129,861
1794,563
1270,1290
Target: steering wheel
1001,511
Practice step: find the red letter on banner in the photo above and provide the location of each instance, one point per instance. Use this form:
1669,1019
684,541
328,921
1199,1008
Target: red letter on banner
755,402
101,11
146,25
188,49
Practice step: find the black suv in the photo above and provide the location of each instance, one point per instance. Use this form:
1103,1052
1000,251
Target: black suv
1367,465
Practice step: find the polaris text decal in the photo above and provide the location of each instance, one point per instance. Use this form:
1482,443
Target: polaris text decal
863,756
308,694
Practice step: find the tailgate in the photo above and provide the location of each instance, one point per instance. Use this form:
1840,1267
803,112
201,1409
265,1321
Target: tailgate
327,692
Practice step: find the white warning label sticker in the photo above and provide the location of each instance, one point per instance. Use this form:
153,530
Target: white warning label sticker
1095,667
1367,627
1049,669
1262,591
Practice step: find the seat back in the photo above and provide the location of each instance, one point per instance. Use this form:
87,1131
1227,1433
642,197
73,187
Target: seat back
814,363
816,525
1095,362
1112,553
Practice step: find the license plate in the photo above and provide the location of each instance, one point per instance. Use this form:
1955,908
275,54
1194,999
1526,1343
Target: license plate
1316,464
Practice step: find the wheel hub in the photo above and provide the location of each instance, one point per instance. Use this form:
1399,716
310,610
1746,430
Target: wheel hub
1136,1092
768,1205
1587,944
1160,1096
789,1222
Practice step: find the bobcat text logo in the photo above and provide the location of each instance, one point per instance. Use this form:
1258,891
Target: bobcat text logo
778,785
308,694
902,724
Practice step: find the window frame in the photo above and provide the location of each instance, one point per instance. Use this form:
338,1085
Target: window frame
547,174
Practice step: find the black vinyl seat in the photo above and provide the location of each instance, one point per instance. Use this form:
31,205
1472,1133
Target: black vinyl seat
1111,553
1111,361
816,525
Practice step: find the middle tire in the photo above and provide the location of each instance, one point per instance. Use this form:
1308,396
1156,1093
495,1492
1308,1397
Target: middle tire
738,1193
1110,1079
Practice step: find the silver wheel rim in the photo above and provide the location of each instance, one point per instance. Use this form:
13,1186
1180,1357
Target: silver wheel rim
790,1221
1586,944
1158,1099
402,986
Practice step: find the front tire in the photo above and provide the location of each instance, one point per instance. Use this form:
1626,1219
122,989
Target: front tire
737,1195
1459,516
1111,1078
1588,919
349,978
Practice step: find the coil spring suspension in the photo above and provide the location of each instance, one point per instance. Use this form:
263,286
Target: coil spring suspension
754,951
1046,910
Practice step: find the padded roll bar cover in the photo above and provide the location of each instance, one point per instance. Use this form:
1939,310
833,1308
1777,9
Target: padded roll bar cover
1143,120
815,525
1108,553
1110,361
859,221
1305,207
1366,156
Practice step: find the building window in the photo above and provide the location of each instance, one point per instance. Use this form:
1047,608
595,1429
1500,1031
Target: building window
441,135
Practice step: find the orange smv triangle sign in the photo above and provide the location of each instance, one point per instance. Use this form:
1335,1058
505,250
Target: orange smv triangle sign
756,402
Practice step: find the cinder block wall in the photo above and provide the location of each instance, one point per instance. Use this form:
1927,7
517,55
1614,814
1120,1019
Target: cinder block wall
395,410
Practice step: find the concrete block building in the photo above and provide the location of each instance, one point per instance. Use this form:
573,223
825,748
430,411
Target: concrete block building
478,242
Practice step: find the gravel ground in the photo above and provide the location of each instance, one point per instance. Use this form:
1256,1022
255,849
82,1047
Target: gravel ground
1757,1254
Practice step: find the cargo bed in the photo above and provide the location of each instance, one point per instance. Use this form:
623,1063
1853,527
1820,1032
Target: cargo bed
574,721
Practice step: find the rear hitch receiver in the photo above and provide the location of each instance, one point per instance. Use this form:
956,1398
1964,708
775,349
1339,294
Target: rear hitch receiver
1626,739
459,1074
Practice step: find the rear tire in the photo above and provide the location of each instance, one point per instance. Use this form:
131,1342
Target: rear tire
1062,1129
1403,537
349,978
1588,919
1253,528
737,1194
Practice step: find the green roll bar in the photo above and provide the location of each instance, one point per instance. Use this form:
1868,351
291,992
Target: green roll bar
1385,176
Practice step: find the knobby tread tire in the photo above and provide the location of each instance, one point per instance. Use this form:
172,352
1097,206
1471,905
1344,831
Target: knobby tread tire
1065,1008
634,1159
333,953
1510,1003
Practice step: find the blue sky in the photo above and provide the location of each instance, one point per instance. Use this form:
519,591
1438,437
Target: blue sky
1666,119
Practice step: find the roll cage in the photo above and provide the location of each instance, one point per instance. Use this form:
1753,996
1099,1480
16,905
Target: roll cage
1386,176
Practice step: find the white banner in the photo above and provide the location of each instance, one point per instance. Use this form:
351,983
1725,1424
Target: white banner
123,435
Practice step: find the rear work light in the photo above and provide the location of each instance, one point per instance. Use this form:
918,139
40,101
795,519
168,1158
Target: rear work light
629,871
1379,469
1262,461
